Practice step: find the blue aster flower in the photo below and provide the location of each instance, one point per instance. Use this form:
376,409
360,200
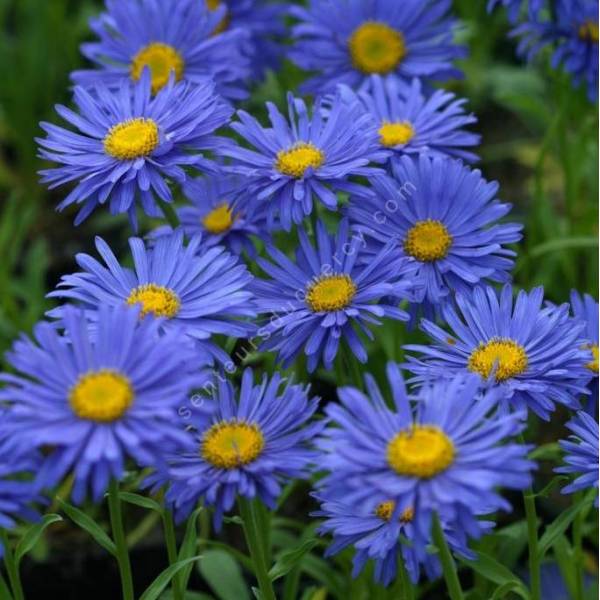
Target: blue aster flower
129,144
249,444
444,217
533,354
410,122
445,450
346,41
581,453
171,38
221,210
202,293
514,7
92,398
307,157
263,21
573,34
328,295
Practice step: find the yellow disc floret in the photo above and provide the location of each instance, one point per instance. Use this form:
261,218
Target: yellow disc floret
428,241
376,47
294,161
219,219
421,451
394,134
232,444
593,364
385,510
162,60
330,293
155,299
506,356
132,139
103,396
589,32
224,22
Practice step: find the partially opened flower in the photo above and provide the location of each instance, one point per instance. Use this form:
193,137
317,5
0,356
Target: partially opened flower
307,157
346,41
581,453
169,37
448,452
515,7
200,292
129,144
328,296
535,356
444,217
94,398
412,122
250,444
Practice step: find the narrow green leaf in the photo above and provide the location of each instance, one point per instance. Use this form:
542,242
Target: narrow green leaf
33,534
141,501
89,525
288,559
507,588
223,575
155,589
493,571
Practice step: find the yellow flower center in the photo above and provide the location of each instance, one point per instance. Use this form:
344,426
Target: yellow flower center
421,451
330,293
103,396
394,134
162,60
219,219
131,139
376,47
505,355
593,364
428,241
385,510
232,444
294,161
589,32
155,299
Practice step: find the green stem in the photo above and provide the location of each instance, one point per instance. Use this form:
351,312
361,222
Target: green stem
169,213
532,538
448,566
116,522
256,547
12,568
578,550
171,542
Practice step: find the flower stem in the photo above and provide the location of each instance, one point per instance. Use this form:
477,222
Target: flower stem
11,568
407,591
578,551
116,522
169,213
448,566
171,542
256,547
532,538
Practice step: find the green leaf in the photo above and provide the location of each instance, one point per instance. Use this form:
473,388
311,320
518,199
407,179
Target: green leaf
507,588
562,522
189,543
155,589
288,559
495,572
33,534
88,524
141,501
223,575
551,451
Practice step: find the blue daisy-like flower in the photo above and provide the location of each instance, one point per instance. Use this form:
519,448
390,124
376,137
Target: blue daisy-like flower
444,217
535,355
249,444
293,162
200,293
263,21
221,210
447,452
410,122
514,7
346,41
581,453
574,35
170,38
94,397
129,144
328,295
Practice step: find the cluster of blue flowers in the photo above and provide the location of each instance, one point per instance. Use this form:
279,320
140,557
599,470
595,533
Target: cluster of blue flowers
112,377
